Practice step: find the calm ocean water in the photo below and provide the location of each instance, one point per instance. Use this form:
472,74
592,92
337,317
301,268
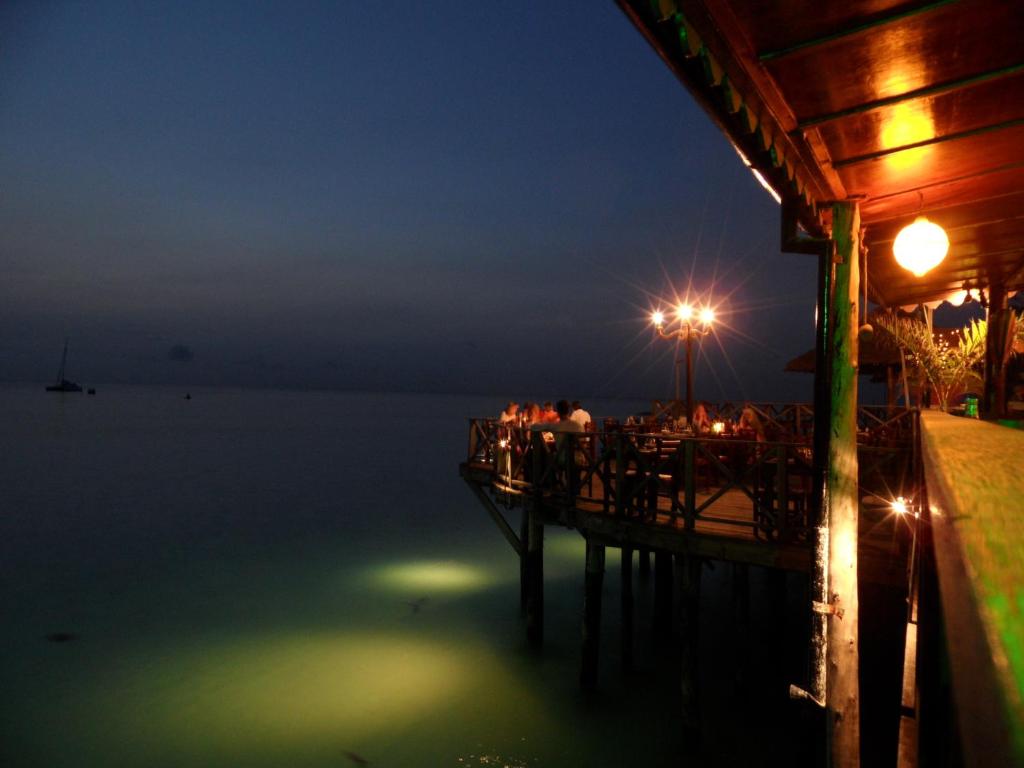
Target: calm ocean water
264,578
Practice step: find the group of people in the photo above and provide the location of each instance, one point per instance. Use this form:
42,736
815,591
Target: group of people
562,416
748,422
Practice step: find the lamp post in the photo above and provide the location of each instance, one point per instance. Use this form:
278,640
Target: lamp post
687,331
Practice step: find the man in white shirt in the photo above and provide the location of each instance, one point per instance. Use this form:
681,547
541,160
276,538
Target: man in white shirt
510,413
579,415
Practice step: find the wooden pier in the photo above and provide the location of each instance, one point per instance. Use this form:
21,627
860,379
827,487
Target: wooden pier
686,500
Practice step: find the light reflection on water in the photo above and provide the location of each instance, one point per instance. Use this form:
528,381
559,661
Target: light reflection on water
287,579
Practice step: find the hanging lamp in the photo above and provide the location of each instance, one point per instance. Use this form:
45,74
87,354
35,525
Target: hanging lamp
921,246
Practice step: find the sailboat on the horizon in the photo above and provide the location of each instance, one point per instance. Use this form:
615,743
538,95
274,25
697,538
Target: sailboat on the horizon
63,385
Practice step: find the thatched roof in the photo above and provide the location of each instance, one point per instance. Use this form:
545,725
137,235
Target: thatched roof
876,352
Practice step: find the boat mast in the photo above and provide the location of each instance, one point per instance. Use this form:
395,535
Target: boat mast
63,360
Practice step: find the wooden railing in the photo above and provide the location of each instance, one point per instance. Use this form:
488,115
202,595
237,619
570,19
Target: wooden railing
787,421
677,479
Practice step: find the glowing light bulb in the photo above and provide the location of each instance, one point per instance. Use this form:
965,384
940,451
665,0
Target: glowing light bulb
899,506
921,246
658,318
684,311
707,315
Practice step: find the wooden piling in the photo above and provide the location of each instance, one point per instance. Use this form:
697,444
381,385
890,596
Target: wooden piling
535,551
592,615
626,581
535,580
524,581
643,565
741,620
687,575
662,594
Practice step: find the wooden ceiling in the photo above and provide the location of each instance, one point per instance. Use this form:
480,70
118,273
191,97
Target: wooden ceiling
911,108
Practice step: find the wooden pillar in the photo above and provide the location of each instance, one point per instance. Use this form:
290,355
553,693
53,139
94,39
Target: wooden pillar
662,594
741,620
822,432
687,574
626,579
777,601
996,338
524,581
592,615
535,550
842,689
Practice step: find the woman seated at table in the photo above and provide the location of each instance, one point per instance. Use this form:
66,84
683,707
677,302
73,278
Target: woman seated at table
532,414
749,423
510,414
701,420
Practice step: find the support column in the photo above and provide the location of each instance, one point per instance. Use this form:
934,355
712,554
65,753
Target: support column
592,615
535,579
741,621
687,574
819,497
535,550
626,579
996,338
662,594
842,689
524,581
643,562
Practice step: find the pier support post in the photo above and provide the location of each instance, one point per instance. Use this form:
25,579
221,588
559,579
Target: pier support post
687,574
535,580
524,572
592,615
643,564
842,689
626,579
662,594
741,620
535,551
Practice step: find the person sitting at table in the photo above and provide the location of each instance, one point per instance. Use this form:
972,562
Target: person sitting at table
701,420
750,423
511,413
533,415
579,415
562,423
549,414
556,430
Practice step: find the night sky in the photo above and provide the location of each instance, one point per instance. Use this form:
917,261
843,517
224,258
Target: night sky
442,197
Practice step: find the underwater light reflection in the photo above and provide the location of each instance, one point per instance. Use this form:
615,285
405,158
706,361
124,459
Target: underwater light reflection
257,697
437,575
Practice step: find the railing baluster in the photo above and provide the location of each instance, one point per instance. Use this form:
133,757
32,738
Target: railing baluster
690,483
620,477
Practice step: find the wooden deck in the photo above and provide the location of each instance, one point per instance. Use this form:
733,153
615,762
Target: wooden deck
688,502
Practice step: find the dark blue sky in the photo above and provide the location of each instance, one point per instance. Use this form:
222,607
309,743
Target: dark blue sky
443,197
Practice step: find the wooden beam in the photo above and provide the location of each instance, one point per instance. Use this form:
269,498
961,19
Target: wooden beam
857,29
842,695
868,156
495,513
919,93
